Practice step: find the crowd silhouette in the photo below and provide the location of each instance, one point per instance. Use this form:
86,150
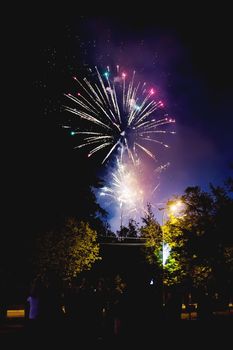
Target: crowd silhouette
101,309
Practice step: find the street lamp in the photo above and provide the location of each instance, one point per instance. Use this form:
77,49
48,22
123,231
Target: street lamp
172,208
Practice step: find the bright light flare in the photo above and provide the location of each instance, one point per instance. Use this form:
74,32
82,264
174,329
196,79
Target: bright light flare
175,206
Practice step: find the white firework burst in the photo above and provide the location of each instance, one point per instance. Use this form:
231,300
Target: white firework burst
117,112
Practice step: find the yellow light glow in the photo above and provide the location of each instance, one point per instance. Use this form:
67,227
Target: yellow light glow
15,313
175,206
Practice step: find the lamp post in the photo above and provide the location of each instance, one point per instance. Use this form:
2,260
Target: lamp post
170,209
121,216
163,214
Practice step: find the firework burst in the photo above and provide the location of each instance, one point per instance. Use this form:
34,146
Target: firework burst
117,112
125,188
130,186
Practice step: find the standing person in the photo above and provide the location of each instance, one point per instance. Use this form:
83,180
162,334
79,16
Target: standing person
205,306
33,301
173,307
118,306
51,302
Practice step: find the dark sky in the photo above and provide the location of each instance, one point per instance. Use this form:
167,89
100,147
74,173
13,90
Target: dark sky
188,56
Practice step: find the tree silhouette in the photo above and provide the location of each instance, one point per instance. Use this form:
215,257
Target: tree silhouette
67,252
199,238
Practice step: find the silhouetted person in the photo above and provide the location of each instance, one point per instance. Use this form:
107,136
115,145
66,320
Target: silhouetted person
51,302
34,301
173,306
70,302
205,306
34,306
119,295
100,308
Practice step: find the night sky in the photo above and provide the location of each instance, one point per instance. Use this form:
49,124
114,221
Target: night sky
187,57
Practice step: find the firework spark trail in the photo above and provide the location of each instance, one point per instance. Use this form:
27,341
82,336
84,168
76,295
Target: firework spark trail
120,113
125,188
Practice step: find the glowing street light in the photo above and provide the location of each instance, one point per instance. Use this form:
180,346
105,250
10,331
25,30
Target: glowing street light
171,208
174,207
